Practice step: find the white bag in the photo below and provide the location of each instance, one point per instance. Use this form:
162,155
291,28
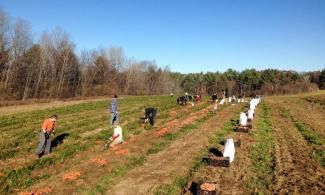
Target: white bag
229,150
118,131
250,114
242,119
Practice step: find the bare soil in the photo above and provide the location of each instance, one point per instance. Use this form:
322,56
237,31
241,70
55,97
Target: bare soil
295,171
176,159
232,179
304,111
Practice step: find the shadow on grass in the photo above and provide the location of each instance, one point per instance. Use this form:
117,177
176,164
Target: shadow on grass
59,140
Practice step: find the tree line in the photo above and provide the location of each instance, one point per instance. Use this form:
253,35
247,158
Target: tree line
251,81
51,68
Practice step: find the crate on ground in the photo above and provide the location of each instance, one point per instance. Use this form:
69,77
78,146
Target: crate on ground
201,188
244,129
218,161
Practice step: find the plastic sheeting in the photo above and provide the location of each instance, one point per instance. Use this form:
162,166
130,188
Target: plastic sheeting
229,150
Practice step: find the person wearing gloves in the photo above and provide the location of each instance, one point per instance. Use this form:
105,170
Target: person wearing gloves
150,115
44,145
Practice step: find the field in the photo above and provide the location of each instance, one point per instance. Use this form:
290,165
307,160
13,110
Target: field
284,152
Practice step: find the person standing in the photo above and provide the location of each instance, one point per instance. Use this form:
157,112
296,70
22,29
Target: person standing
113,110
44,145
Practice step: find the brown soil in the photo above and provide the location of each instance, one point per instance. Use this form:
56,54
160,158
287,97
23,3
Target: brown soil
172,113
295,171
37,192
233,179
71,176
117,156
99,161
122,152
176,159
304,111
161,132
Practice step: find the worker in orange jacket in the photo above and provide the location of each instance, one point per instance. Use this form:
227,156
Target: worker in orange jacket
44,145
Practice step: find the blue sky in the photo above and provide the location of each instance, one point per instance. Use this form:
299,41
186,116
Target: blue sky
190,36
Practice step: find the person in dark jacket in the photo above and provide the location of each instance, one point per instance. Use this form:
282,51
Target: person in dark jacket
182,100
150,114
214,97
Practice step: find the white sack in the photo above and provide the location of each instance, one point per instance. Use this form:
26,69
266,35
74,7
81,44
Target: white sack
118,130
250,114
229,150
242,119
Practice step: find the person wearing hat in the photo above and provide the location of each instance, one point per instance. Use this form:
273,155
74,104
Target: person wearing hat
44,145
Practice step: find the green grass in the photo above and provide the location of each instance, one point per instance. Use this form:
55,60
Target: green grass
74,119
317,142
22,129
262,153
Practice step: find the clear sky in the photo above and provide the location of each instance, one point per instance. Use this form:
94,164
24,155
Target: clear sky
190,36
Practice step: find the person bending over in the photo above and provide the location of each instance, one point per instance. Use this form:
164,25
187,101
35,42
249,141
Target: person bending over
44,145
150,114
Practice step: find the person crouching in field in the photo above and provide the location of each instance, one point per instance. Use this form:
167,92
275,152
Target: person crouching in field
150,114
197,98
44,145
113,110
116,138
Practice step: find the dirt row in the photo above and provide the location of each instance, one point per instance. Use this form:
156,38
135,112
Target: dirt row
304,111
176,159
87,164
295,171
233,179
